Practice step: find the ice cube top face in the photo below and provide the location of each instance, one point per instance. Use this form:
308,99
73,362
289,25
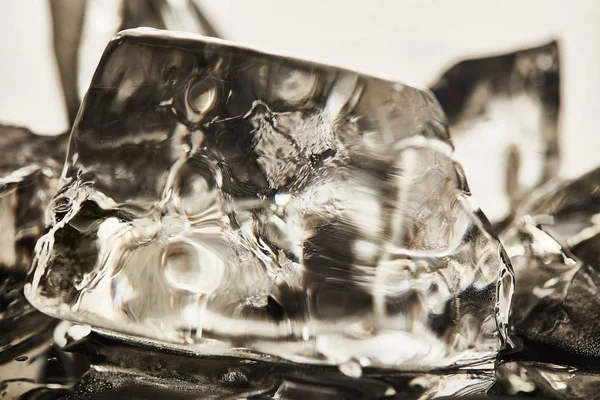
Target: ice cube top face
217,197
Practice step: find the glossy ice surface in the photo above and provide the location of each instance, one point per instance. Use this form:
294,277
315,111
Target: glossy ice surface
554,246
503,114
219,197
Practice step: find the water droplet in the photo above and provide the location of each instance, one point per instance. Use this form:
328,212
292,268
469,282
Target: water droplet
351,368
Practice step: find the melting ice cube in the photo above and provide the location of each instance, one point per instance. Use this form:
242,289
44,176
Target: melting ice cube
219,197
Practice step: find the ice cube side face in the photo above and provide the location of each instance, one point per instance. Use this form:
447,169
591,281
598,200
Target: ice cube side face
219,197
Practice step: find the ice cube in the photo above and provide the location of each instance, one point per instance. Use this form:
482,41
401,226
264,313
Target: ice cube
218,197
554,247
29,171
503,114
122,371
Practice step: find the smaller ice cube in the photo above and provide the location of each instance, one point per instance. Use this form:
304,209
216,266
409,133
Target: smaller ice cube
554,246
503,115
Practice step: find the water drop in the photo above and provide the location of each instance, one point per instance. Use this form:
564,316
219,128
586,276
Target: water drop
390,391
351,368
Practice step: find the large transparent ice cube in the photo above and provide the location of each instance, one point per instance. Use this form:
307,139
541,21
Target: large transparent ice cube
219,197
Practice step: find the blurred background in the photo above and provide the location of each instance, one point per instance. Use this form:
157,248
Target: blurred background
413,41
505,136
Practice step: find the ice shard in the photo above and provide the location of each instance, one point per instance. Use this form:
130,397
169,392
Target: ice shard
503,115
218,198
554,246
29,169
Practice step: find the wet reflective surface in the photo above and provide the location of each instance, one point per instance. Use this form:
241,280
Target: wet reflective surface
180,376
